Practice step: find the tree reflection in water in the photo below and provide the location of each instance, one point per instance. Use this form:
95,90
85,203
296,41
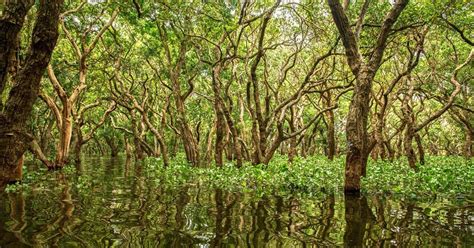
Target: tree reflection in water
117,203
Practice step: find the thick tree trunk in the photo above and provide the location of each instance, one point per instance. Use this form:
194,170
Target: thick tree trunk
390,151
11,23
139,153
235,137
358,147
77,151
158,135
399,150
408,146
356,134
189,142
292,152
293,142
13,137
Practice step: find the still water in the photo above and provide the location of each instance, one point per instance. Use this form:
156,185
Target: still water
115,203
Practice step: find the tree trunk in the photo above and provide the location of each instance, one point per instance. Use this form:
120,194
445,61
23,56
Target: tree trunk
331,137
292,153
13,135
78,142
407,143
128,149
11,23
379,148
356,131
46,137
191,147
220,127
139,153
35,149
409,128
399,150
468,146
421,151
65,135
358,147
113,146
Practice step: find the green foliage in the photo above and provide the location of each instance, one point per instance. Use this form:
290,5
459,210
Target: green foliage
29,177
312,176
440,176
11,188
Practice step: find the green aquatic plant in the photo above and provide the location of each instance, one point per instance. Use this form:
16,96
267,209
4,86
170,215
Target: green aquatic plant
11,188
312,176
440,176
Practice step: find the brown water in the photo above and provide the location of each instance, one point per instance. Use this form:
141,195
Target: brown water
110,203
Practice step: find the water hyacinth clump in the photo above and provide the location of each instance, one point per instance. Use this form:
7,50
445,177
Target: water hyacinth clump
452,176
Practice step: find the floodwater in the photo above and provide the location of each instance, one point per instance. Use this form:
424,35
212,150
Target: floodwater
114,203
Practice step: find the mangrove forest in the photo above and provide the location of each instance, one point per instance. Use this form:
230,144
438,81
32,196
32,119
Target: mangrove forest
236,123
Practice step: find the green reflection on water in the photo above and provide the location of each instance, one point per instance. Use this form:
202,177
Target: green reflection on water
114,203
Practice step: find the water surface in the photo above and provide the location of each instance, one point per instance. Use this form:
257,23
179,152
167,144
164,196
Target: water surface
116,203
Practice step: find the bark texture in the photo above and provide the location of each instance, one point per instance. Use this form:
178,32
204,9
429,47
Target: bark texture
14,139
10,26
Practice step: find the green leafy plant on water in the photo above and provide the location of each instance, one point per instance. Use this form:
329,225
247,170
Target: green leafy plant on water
11,188
311,176
440,176
28,178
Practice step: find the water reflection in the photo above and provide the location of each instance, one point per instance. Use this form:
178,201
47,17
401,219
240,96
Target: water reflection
116,203
358,218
